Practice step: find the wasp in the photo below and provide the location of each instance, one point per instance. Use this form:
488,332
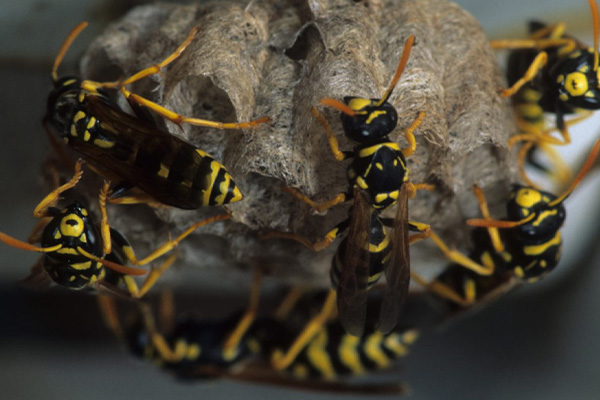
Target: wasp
76,254
378,179
550,72
523,248
131,149
238,347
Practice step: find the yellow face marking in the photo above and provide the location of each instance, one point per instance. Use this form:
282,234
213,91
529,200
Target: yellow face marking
57,235
73,130
78,116
91,123
105,144
318,357
381,197
164,171
374,115
543,215
71,225
584,68
84,212
394,343
83,238
589,93
361,183
379,166
69,82
527,197
374,352
87,136
348,353
541,248
576,84
359,103
82,266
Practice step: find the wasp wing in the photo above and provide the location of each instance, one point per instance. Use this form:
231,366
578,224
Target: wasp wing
147,157
38,278
352,259
397,272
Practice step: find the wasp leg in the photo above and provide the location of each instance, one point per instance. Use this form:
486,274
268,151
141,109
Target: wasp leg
288,303
319,207
110,315
159,342
48,201
410,137
444,291
493,232
172,243
317,246
104,227
514,44
536,65
413,188
333,142
452,255
231,344
279,360
166,311
150,281
179,119
521,161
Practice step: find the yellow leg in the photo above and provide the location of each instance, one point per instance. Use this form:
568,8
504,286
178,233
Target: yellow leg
52,198
93,86
233,341
561,171
110,315
179,119
521,157
410,137
317,246
444,291
138,198
288,303
158,341
104,227
319,207
551,31
171,244
514,44
151,279
413,188
493,232
279,360
538,63
333,142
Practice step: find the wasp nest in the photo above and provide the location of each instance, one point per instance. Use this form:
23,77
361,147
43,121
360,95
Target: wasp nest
279,58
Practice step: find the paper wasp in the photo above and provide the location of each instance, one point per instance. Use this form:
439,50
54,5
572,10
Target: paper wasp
523,248
77,251
131,149
555,73
238,347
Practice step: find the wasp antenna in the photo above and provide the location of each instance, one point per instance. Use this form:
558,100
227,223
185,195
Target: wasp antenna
65,46
589,162
401,65
338,105
596,22
492,223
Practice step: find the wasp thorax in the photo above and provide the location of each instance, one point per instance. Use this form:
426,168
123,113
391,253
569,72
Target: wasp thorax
371,122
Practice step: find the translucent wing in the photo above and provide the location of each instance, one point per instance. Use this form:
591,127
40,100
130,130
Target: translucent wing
397,272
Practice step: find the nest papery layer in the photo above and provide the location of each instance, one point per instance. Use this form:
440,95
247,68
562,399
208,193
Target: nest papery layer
279,58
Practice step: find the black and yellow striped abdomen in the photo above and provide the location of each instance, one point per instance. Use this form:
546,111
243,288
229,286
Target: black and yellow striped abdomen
333,353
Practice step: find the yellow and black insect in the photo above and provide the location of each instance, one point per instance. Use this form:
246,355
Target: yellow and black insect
521,249
550,72
198,349
378,178
77,251
132,150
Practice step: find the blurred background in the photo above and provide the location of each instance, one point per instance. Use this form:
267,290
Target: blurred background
540,342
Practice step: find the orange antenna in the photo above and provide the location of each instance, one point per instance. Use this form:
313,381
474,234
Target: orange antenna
403,60
65,46
492,223
338,105
596,22
589,162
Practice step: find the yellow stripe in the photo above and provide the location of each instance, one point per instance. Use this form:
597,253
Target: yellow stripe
374,278
67,250
541,248
79,115
544,215
381,246
348,353
393,342
213,176
318,357
358,103
105,144
164,171
374,352
220,199
81,266
367,151
374,115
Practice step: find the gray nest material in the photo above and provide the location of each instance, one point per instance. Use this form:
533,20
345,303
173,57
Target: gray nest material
279,58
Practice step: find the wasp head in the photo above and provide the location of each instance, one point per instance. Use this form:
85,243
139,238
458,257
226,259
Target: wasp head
62,103
577,80
547,220
371,121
